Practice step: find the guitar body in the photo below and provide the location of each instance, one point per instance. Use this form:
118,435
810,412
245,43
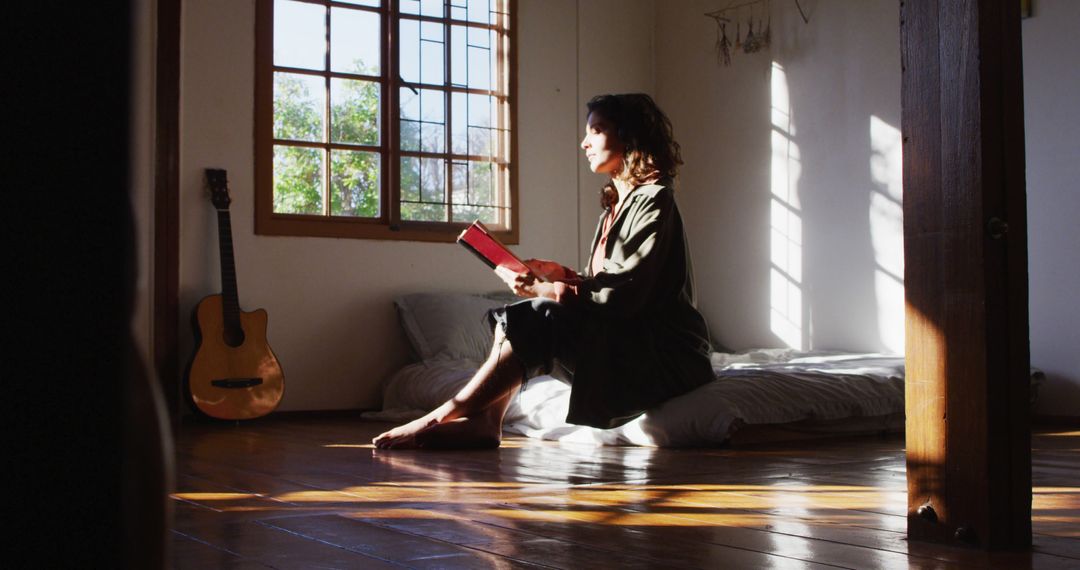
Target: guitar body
233,382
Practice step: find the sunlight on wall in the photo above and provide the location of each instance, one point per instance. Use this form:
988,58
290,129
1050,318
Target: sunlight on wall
887,231
786,299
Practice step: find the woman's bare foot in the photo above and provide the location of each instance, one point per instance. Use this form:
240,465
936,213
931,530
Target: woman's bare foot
463,433
404,436
427,433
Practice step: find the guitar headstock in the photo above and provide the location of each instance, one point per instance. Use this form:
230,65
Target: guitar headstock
216,179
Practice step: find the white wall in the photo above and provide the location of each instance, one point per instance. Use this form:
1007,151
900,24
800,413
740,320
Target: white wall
332,321
792,180
808,129
843,82
1052,137
616,54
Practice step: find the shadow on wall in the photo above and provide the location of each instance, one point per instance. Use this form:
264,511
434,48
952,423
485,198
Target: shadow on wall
836,229
793,176
803,241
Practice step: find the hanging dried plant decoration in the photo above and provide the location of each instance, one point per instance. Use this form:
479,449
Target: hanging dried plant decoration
723,45
751,43
768,22
758,33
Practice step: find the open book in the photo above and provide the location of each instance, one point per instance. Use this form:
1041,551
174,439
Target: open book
477,239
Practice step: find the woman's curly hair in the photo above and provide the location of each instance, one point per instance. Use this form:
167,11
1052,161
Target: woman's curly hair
650,150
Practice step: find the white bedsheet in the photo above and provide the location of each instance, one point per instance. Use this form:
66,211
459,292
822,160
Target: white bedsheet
768,386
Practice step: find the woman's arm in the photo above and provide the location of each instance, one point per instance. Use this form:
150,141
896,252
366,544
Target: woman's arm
646,247
550,270
526,284
556,281
650,236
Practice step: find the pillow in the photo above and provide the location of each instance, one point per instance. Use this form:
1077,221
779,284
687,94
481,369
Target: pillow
449,326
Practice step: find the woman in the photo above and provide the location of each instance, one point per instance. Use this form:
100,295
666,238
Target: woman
625,335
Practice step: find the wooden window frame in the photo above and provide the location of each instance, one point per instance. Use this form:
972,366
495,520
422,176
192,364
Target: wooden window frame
388,225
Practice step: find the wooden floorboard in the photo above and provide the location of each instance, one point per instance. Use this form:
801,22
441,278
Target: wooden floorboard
309,492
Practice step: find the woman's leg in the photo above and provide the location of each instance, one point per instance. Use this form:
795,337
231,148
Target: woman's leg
473,417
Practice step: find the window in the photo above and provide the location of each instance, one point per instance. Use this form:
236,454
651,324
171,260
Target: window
385,119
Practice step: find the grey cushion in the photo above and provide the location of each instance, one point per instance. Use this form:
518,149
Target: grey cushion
454,326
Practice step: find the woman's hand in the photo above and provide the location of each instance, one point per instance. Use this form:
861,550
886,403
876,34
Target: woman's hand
548,270
525,284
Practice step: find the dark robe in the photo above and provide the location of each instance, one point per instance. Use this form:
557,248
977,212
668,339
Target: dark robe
631,338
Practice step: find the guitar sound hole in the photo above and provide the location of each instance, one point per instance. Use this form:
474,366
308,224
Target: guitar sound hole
234,383
234,339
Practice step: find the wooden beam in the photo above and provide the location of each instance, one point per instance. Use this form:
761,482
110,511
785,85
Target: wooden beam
965,237
167,208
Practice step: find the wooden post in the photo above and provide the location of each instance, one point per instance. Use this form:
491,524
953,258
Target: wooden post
167,209
965,238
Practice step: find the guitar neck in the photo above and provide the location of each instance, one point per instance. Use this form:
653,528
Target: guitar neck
229,296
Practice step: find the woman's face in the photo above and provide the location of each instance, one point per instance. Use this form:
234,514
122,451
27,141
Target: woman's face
602,148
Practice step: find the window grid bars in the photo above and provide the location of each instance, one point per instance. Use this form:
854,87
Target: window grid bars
498,20
495,134
327,74
326,185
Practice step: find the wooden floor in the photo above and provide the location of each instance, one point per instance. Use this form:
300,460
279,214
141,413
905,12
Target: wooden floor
312,493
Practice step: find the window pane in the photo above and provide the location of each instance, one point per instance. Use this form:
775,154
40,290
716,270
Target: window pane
415,212
473,188
482,184
474,57
481,142
459,9
432,181
479,68
483,111
410,179
410,119
482,117
409,57
459,183
486,214
423,120
409,6
431,8
422,52
423,190
372,3
354,41
459,116
479,11
298,174
497,70
459,71
299,35
354,111
432,53
354,183
299,107
433,117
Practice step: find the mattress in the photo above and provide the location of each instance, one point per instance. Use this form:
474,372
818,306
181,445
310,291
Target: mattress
799,394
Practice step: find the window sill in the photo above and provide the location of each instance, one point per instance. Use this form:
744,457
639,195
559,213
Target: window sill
346,228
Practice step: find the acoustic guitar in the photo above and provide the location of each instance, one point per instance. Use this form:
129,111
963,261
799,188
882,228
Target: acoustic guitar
233,374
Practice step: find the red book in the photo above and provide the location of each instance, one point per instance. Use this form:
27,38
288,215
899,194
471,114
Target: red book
477,239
